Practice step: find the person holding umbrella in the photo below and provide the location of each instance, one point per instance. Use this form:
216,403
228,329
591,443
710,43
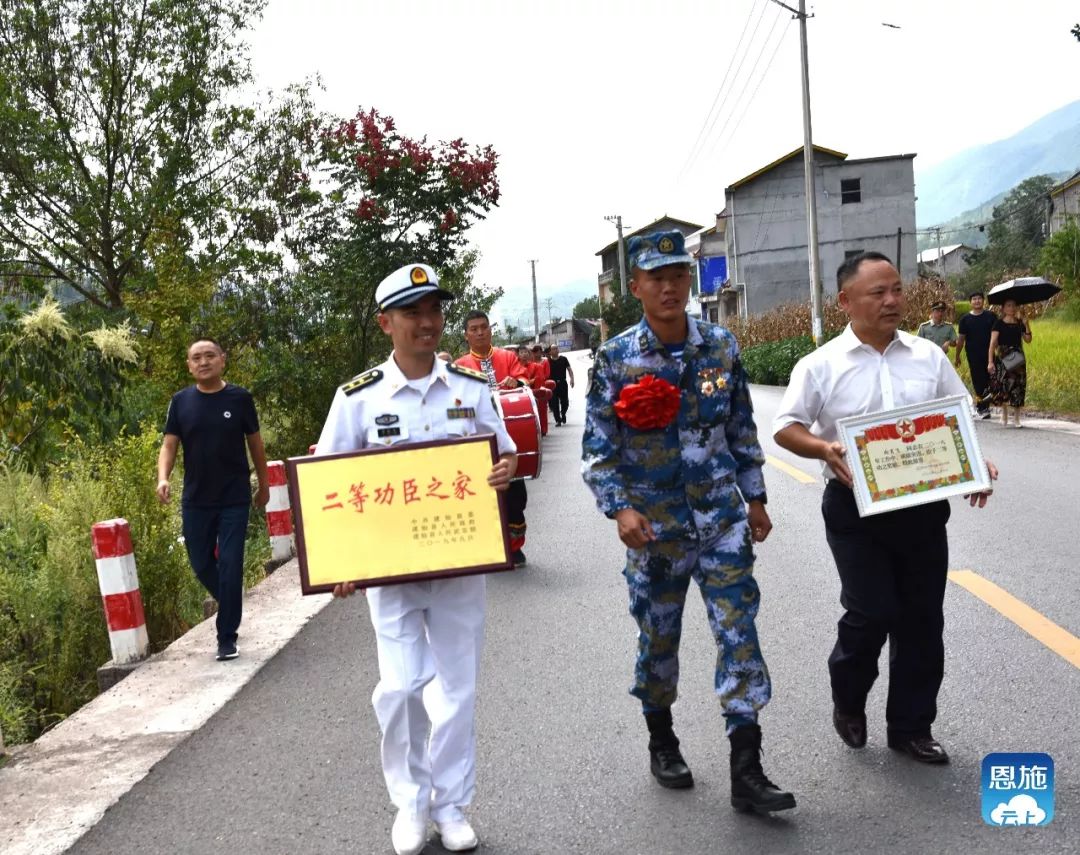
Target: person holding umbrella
1007,364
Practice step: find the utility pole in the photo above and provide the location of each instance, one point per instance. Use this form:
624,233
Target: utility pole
536,305
940,260
548,303
617,220
816,297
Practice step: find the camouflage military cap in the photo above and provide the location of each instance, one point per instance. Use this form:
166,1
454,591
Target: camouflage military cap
657,249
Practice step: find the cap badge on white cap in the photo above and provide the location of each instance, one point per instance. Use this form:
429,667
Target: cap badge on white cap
419,276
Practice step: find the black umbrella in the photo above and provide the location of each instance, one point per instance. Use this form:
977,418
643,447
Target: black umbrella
1027,289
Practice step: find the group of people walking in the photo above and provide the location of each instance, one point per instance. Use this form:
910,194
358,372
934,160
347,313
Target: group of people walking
671,453
546,363
994,347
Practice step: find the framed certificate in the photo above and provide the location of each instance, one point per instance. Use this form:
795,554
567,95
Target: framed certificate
382,516
913,455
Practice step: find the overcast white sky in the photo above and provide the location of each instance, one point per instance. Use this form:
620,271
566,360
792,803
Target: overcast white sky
594,106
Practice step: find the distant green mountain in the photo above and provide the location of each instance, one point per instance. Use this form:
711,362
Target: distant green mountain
964,228
966,180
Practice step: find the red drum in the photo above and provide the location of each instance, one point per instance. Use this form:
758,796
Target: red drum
517,409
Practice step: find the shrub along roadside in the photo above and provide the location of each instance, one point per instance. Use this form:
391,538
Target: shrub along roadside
53,635
771,363
773,342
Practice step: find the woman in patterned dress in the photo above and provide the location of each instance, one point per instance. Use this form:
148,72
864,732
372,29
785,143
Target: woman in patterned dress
1008,388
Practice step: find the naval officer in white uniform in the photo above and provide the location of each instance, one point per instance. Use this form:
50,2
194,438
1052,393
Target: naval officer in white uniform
429,634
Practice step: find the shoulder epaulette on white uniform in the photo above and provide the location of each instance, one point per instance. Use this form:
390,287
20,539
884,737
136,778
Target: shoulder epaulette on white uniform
361,380
467,372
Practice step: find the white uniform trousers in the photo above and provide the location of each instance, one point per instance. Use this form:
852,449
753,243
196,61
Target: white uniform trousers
429,637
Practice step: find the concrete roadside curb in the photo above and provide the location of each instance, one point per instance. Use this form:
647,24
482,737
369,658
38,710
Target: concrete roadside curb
55,790
1056,425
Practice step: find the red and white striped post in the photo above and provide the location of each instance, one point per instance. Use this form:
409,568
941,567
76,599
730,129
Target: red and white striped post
278,513
119,583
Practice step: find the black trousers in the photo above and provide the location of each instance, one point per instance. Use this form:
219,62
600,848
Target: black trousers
893,570
560,400
980,381
517,497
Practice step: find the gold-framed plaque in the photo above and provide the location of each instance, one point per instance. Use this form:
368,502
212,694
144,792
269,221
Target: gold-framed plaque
914,454
383,516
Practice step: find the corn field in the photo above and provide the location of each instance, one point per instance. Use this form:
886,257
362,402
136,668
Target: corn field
793,319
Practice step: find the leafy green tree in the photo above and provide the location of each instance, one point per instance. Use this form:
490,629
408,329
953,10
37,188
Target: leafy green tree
1060,257
513,332
394,200
457,279
1016,231
119,115
589,308
1076,32
386,200
56,383
623,311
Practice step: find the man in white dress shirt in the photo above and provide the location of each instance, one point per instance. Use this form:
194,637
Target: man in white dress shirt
429,634
893,565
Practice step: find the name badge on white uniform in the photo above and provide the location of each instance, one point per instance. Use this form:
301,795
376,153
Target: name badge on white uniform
387,434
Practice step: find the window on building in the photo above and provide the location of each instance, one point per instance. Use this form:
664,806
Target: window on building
850,190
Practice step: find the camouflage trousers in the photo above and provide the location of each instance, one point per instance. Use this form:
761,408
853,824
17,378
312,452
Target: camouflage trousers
658,577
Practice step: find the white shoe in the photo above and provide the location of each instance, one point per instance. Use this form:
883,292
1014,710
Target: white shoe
457,835
409,833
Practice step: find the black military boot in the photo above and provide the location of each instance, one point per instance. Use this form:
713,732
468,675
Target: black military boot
666,761
750,789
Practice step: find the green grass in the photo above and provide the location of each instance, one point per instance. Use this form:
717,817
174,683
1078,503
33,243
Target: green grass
1053,367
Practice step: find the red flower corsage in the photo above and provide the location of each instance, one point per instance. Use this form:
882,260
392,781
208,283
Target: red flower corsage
648,404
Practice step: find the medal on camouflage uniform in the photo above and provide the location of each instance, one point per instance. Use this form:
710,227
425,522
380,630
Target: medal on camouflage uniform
711,380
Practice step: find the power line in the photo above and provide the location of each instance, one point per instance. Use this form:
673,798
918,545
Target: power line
731,63
734,81
765,73
993,217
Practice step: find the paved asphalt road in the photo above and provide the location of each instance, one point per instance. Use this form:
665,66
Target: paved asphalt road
291,765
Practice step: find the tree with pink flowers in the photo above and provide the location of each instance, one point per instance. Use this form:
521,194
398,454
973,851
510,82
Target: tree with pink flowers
396,199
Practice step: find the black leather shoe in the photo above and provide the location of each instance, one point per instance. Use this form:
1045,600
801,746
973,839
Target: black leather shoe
925,749
669,768
751,790
852,728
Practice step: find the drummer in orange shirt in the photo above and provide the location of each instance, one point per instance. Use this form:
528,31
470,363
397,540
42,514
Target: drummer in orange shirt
539,381
543,366
504,371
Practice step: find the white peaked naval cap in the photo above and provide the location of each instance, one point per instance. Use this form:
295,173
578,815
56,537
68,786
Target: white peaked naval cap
407,285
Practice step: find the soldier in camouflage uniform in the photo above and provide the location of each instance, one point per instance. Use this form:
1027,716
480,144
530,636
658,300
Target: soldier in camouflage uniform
679,495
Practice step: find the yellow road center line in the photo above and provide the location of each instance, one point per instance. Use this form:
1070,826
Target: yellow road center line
793,471
1038,626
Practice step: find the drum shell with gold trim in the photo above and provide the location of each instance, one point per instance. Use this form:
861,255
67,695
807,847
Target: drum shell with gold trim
517,408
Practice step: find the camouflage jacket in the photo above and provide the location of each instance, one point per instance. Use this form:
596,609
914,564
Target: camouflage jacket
682,477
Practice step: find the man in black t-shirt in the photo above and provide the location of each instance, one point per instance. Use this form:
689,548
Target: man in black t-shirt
974,339
213,420
560,368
